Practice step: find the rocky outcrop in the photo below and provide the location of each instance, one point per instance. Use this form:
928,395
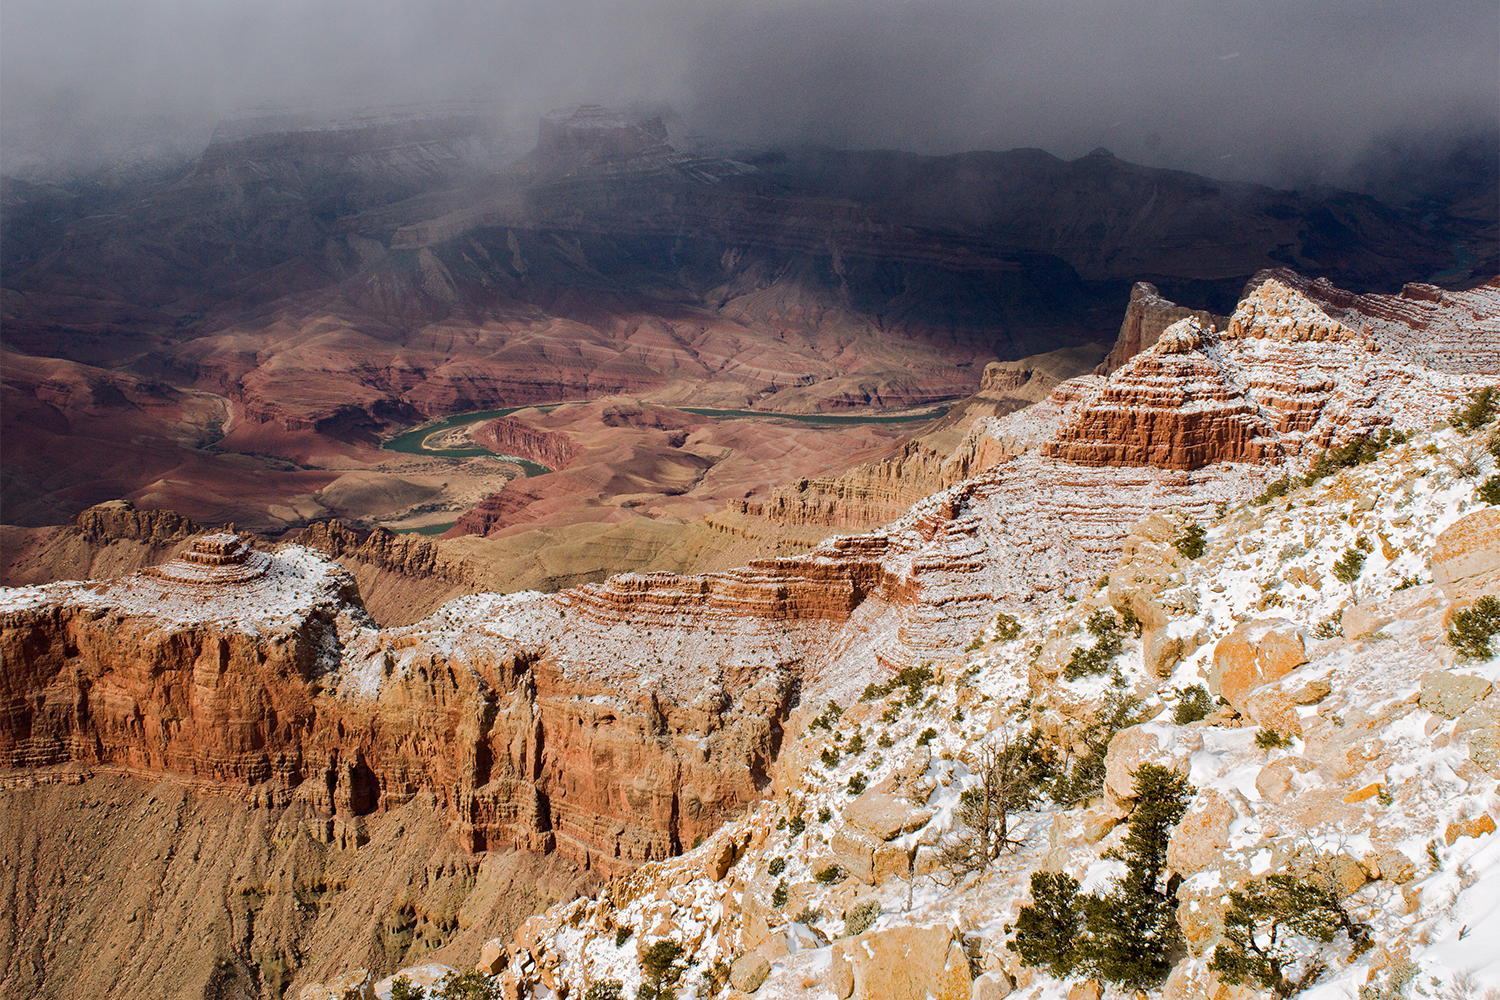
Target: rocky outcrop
1146,317
510,436
1281,381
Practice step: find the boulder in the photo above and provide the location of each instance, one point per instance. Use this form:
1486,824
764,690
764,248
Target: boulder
1362,619
1089,989
1255,653
1474,826
749,971
1451,695
1272,708
890,862
1160,651
1274,781
1396,867
355,985
840,972
1480,724
855,854
883,816
1201,837
1466,557
492,957
993,985
900,963
1144,744
956,982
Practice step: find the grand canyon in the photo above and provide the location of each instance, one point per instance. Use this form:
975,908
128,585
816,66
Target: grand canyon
428,554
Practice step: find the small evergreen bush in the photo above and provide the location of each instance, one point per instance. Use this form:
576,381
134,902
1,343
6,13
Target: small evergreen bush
797,824
777,866
1097,658
1007,628
1192,543
928,735
857,783
1274,490
659,964
831,874
402,988
779,894
601,989
1473,629
825,814
1348,568
1489,490
622,934
470,985
1270,739
861,916
1046,931
1193,705
1480,411
1082,777
1260,928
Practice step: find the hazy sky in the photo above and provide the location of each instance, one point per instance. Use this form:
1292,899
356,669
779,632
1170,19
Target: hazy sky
1248,88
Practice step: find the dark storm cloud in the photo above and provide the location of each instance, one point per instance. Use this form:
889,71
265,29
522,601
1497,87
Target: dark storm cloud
1256,89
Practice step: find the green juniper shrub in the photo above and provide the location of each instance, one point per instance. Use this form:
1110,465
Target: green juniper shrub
1129,936
599,989
857,783
1348,568
777,866
402,988
470,985
778,894
1481,408
1081,777
825,814
1474,629
856,746
797,824
1274,490
1132,931
860,917
659,964
928,735
622,934
1192,543
1489,490
830,757
1046,931
1360,451
1193,705
1330,627
1259,947
885,742
830,875
1096,659
1007,628
1270,739
891,714
1494,445
809,915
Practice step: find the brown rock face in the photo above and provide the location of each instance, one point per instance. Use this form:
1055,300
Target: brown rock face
509,436
1146,317
1282,380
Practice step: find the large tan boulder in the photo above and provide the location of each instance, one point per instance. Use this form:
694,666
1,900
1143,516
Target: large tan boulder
956,982
356,985
1144,744
749,971
855,853
1451,695
1255,653
840,971
900,963
883,816
1200,838
1466,557
1161,651
992,985
1480,726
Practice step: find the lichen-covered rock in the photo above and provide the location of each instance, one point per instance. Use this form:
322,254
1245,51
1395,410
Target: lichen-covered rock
1255,653
749,971
1466,556
1199,839
1451,695
900,963
883,816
